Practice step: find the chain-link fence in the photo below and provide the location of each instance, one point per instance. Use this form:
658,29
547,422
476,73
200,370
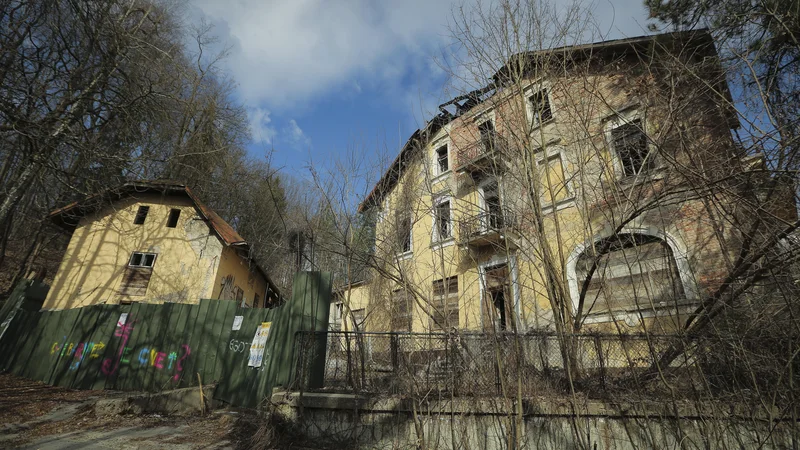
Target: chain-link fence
484,365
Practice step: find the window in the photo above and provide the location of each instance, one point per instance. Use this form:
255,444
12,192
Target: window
493,211
445,304
629,143
442,160
553,186
404,234
401,311
358,319
498,310
628,272
174,215
442,226
139,259
256,301
141,215
137,274
539,107
488,135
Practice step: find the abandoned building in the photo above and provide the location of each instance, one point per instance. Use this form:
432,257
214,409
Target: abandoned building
153,242
578,174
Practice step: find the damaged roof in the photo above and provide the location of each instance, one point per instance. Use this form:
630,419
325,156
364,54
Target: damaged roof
699,39
67,217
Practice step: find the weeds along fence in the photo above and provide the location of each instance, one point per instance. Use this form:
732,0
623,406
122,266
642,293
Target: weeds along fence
527,365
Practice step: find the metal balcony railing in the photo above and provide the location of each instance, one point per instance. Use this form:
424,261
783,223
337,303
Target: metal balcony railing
486,226
479,155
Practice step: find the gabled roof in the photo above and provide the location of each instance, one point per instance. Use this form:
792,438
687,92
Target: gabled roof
696,39
68,216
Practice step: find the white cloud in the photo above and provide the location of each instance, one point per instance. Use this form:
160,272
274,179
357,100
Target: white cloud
285,52
260,130
296,136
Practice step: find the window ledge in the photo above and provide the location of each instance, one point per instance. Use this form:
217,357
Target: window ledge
437,245
441,177
404,256
631,317
654,174
536,126
558,206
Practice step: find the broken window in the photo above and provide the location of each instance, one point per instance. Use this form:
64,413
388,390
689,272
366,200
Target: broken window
628,272
498,305
629,142
492,208
401,311
257,301
174,215
404,234
444,314
137,274
442,228
442,161
539,106
488,136
141,215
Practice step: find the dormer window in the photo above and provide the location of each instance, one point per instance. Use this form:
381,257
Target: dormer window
539,107
442,160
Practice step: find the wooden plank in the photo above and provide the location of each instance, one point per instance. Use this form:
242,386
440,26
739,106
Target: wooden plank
135,281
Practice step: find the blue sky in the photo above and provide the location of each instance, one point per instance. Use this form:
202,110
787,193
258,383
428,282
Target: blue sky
321,76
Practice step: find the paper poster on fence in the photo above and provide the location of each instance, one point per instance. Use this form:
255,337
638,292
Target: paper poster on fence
259,344
237,323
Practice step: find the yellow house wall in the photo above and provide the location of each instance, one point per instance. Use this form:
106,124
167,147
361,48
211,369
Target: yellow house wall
101,245
574,224
244,275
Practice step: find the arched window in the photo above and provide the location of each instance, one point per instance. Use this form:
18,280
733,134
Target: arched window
628,272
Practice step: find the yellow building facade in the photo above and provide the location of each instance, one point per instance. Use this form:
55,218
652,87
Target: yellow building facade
152,242
558,195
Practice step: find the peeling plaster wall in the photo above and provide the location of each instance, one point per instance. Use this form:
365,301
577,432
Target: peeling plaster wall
235,269
101,245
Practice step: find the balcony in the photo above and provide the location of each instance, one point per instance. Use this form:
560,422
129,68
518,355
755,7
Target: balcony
481,156
487,228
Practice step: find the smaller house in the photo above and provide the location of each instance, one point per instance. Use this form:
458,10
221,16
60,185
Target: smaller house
153,242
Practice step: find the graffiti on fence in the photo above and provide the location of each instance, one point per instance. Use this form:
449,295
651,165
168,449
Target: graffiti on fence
238,346
146,356
77,352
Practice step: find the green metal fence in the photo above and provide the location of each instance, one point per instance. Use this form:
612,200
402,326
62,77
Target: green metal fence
156,347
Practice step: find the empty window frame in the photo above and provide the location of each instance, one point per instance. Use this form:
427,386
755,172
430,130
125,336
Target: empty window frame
488,135
552,181
174,215
141,215
498,303
444,314
442,221
404,234
493,218
400,314
442,159
539,107
629,143
628,272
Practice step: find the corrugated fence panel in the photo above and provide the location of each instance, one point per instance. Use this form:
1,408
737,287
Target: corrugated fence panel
155,347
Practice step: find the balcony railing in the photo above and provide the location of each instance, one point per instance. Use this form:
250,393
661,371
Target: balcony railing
486,228
481,155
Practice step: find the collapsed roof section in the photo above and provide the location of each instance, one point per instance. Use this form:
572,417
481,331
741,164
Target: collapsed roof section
691,44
